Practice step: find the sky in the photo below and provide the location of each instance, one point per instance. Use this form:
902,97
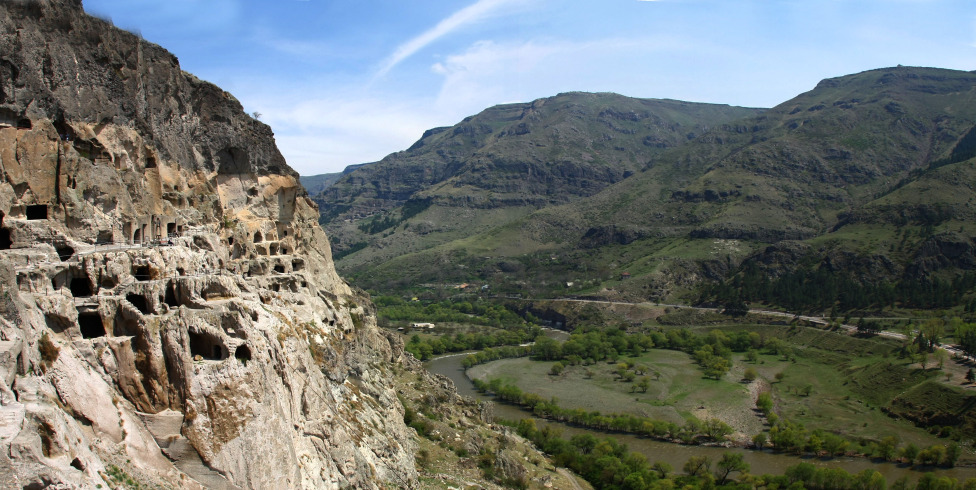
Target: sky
344,82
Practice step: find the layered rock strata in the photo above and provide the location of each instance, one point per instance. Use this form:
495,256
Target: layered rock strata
170,313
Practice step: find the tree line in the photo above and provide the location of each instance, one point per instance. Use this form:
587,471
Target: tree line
607,464
425,349
692,432
818,289
791,437
393,309
712,351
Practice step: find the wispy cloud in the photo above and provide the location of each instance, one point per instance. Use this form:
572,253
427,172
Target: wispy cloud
321,133
470,14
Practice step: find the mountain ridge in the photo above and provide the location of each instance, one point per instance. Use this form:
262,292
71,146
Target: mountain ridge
800,171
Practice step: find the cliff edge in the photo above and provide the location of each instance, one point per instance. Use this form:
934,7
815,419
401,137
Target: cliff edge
170,312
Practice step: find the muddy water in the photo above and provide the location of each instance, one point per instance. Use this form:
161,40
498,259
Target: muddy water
676,454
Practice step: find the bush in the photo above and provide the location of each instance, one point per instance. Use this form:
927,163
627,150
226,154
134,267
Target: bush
49,351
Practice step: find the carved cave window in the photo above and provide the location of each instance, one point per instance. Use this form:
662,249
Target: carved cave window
207,347
80,287
142,272
139,301
36,211
242,353
91,325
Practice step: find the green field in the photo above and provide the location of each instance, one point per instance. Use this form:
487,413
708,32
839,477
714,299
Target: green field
829,380
680,393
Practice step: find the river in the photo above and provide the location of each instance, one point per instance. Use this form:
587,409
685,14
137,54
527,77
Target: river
676,455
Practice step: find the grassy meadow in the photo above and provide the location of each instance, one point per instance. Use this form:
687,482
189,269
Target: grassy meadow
822,379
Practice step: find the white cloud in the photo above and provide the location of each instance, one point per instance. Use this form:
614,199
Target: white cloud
489,73
470,14
325,134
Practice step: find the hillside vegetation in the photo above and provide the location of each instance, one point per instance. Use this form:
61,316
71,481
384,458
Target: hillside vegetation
864,180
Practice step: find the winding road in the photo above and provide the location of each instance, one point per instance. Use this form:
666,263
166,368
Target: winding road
819,320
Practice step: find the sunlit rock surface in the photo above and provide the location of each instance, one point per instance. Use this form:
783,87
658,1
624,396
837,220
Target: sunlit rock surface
169,311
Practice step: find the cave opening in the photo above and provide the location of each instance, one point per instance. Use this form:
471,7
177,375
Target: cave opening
170,229
5,241
206,346
65,251
141,272
36,211
257,237
91,325
80,287
243,353
139,301
279,268
170,297
297,264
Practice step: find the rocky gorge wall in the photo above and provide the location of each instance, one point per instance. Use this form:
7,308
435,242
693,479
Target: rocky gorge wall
169,311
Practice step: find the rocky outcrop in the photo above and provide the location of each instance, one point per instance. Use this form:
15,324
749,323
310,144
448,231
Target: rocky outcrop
170,313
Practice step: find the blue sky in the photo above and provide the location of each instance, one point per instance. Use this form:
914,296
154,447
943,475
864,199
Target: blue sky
349,81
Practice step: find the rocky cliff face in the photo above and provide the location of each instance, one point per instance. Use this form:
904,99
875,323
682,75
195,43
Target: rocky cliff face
166,289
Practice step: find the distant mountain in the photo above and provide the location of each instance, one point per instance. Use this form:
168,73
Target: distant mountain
868,174
505,163
316,184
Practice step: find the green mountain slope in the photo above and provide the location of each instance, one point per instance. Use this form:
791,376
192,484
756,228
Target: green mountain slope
316,184
869,174
505,163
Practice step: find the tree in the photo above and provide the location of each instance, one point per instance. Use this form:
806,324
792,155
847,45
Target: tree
735,308
970,375
697,465
966,335
621,370
717,367
779,376
556,369
765,402
952,454
730,463
752,355
663,469
644,384
759,440
887,448
835,445
750,375
806,390
909,453
546,349
933,329
940,358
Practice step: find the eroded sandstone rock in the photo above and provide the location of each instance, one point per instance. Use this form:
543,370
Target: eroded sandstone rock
166,289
